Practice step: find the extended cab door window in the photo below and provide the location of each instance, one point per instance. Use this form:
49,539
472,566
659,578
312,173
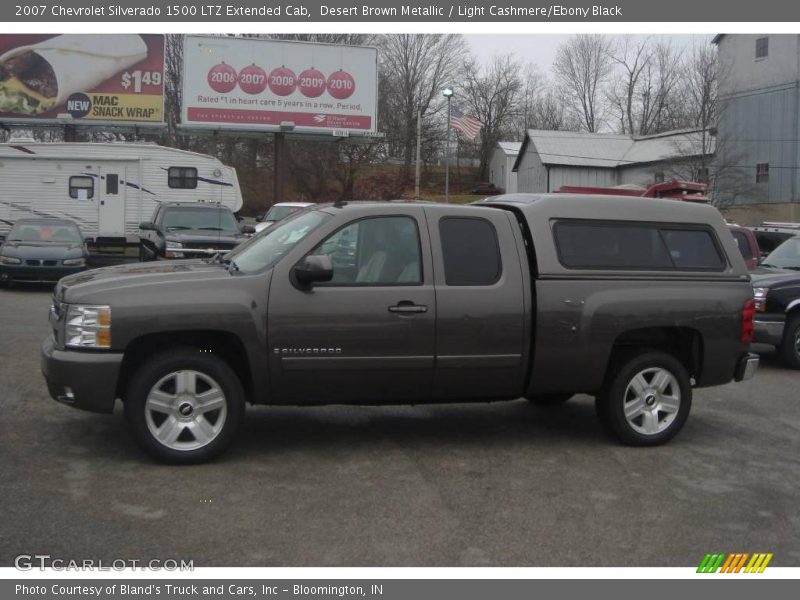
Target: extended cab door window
470,251
381,251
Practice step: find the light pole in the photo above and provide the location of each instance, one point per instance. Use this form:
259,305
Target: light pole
447,93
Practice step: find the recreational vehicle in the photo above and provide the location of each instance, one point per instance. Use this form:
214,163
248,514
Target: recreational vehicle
107,188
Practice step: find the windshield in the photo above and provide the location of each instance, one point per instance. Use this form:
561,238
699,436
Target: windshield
787,255
266,248
45,232
206,219
278,213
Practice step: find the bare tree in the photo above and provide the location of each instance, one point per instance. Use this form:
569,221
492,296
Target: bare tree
546,110
713,155
582,66
643,93
414,69
493,95
541,107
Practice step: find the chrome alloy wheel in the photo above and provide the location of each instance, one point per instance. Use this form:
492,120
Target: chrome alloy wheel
185,410
652,400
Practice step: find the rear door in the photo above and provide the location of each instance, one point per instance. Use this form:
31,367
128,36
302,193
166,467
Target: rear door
368,335
482,304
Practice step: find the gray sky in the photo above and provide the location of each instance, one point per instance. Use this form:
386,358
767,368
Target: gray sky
541,48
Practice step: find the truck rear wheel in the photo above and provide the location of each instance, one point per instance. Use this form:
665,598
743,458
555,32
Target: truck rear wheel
647,400
789,349
184,406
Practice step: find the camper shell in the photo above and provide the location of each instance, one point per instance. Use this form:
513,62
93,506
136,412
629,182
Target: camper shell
108,188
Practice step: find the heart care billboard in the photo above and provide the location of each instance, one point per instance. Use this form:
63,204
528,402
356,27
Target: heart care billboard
270,85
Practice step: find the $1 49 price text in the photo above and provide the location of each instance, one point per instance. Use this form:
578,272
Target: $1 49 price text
137,79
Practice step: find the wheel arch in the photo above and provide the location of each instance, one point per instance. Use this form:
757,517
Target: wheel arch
683,343
226,345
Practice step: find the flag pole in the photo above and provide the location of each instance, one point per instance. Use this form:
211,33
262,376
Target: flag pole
447,158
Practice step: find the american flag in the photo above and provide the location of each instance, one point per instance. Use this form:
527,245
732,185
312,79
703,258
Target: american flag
467,125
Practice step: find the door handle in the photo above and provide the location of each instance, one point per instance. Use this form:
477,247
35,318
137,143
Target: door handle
407,306
570,302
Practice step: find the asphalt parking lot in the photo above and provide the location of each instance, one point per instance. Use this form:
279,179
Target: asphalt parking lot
505,484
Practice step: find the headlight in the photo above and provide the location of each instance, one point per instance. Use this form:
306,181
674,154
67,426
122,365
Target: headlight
760,294
170,251
88,326
9,260
75,262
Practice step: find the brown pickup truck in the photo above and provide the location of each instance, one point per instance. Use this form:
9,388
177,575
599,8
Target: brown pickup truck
535,296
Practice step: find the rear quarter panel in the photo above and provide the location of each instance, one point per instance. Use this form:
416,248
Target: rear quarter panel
582,313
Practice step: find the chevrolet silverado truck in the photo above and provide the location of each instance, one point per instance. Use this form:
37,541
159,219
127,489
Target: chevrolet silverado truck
190,230
536,296
777,319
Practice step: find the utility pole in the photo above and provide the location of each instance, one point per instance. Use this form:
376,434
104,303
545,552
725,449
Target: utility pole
279,168
419,154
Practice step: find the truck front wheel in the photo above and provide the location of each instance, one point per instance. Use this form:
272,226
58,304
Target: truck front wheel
789,349
647,400
184,406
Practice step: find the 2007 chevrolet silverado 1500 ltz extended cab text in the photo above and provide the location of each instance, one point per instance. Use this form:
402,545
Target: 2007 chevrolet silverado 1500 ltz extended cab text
539,296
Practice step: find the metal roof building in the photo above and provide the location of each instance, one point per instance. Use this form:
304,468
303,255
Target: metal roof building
501,166
549,159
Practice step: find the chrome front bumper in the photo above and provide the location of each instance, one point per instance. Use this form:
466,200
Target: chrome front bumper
768,329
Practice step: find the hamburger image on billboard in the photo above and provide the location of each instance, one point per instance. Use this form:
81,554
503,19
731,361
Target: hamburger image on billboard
115,77
271,85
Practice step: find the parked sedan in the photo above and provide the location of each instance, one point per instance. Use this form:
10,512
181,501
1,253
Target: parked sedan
42,250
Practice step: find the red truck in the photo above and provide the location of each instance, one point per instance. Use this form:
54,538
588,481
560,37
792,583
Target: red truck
676,189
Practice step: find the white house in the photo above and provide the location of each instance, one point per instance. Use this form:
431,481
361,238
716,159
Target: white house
548,160
501,166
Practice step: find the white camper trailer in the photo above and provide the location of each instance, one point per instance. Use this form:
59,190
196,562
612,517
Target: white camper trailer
107,188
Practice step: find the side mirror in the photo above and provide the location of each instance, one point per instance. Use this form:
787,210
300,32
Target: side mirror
259,218
247,229
313,269
147,226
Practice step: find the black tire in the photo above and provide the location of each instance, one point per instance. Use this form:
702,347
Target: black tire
210,374
789,350
660,419
549,399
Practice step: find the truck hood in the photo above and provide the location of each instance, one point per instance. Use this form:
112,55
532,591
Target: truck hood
98,285
763,277
43,250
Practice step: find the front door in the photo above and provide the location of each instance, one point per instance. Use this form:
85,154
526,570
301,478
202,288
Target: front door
111,200
369,334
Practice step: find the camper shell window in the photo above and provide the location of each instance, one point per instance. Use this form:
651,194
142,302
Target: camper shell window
184,178
77,183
